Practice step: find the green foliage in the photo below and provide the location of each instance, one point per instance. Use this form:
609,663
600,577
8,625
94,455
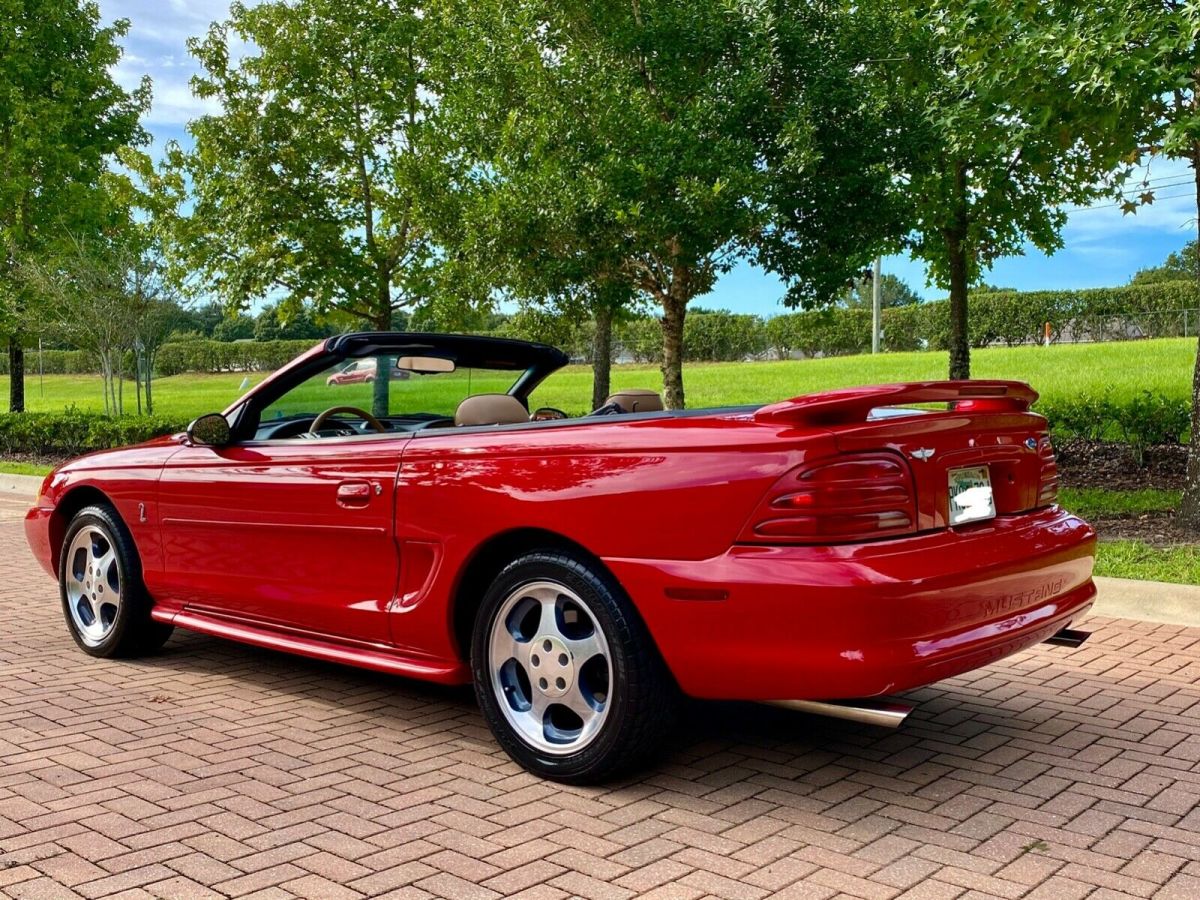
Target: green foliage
893,292
1011,318
62,117
224,356
311,178
1143,420
1178,266
73,432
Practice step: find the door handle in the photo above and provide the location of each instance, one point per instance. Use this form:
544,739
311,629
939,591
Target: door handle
352,494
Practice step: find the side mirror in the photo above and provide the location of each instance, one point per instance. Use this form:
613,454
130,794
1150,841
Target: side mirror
211,430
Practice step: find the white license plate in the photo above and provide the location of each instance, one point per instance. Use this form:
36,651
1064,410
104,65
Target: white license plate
971,495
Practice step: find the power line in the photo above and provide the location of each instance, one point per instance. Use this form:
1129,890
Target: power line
1076,209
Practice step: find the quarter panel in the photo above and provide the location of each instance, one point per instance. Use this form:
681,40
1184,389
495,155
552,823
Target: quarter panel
665,488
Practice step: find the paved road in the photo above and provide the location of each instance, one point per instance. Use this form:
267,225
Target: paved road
215,770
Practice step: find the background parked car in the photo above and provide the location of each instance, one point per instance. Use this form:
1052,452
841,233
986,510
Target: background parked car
363,371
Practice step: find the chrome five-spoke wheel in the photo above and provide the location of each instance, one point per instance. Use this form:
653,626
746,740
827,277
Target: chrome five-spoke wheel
550,667
104,599
93,584
567,676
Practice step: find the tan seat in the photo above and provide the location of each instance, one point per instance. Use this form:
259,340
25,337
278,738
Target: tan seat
490,409
636,400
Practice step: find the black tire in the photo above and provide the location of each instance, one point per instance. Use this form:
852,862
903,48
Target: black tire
131,631
643,696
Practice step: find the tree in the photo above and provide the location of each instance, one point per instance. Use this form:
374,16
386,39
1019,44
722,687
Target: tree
1179,266
311,178
835,143
643,113
1002,139
893,292
1131,72
62,116
287,322
87,301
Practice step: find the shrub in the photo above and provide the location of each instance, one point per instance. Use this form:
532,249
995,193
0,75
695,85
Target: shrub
222,356
1144,420
72,432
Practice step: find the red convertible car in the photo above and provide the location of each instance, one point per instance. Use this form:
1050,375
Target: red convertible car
824,552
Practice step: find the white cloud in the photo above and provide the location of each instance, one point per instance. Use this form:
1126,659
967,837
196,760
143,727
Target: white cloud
156,45
1104,225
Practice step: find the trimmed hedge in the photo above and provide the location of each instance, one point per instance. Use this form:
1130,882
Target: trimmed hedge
221,356
72,433
1167,309
1144,420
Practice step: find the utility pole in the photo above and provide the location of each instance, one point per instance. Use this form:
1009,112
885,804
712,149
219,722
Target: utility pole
876,305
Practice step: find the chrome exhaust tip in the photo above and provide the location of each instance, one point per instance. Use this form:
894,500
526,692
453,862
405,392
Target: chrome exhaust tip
1068,637
885,714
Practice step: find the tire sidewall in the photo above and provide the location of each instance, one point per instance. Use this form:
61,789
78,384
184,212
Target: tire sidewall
127,569
601,601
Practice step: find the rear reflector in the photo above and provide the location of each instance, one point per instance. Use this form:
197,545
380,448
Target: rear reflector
839,500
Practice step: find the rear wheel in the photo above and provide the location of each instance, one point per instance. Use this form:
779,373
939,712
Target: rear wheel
100,580
565,671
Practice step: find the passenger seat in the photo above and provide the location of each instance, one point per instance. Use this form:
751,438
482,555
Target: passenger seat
636,400
490,409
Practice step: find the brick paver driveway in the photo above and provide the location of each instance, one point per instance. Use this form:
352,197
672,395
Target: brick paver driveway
216,770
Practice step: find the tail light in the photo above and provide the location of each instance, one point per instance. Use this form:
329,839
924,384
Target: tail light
841,500
1048,477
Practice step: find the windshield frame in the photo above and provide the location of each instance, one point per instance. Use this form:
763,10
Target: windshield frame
530,362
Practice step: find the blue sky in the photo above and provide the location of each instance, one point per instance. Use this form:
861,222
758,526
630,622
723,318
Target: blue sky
1102,246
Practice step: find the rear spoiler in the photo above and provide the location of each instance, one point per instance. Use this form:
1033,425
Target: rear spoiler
851,405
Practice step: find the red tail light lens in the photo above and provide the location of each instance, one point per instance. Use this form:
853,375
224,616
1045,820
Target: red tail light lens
1048,479
841,500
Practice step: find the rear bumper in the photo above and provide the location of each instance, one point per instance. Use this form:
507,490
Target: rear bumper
867,619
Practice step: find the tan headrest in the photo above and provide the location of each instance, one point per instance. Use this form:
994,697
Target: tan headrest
490,409
636,400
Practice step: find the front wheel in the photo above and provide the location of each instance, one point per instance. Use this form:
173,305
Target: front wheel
566,673
100,579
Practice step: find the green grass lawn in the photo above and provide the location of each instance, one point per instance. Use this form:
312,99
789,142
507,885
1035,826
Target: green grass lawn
1179,564
1095,502
1163,366
13,467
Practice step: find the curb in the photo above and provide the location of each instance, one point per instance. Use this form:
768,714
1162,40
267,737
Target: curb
1149,601
20,485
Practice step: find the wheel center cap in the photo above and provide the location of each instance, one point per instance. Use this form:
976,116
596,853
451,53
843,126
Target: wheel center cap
551,667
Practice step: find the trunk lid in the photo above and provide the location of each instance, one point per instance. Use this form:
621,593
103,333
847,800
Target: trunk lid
978,424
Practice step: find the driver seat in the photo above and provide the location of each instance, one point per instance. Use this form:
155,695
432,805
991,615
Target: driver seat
490,409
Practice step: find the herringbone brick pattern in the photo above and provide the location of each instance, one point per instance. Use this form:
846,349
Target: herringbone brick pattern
216,770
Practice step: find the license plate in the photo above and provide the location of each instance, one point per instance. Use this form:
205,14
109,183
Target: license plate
971,495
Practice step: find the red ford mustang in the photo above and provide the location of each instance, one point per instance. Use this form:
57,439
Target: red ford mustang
582,572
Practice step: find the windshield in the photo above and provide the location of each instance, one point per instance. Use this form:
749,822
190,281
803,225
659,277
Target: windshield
410,389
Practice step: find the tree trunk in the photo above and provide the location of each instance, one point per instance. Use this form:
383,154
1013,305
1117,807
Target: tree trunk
674,310
602,356
956,253
383,322
150,383
16,375
1189,505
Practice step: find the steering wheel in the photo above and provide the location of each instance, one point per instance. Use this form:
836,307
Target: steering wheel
319,421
